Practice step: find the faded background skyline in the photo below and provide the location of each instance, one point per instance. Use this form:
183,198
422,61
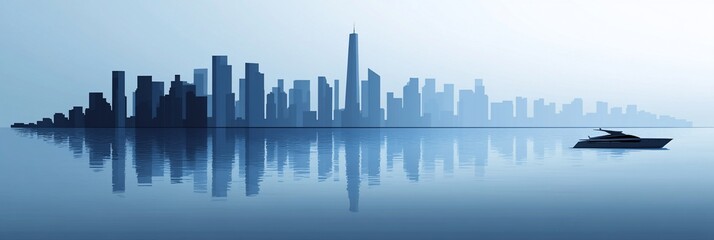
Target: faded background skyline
656,54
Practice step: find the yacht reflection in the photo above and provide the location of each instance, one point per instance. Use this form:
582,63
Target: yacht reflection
246,157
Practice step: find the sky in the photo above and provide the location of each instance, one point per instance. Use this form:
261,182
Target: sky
656,54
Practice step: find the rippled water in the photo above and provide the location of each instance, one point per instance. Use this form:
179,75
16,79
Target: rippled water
351,184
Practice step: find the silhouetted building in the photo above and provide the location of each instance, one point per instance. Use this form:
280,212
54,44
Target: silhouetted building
395,110
173,107
277,106
364,101
242,99
157,91
412,104
445,107
118,99
200,79
572,113
430,106
543,115
521,110
299,101
473,106
61,121
190,105
351,114
324,102
143,116
337,112
99,113
223,98
271,106
502,114
196,110
255,93
76,117
374,111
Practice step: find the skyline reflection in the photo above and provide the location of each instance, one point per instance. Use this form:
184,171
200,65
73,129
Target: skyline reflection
244,158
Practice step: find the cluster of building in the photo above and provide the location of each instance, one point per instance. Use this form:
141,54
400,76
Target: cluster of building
189,105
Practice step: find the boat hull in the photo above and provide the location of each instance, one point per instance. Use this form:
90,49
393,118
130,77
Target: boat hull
642,143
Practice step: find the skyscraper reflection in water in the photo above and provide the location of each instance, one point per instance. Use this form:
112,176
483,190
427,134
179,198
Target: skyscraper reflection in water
266,159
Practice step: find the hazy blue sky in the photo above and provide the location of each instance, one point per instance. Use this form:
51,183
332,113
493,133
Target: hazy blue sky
656,54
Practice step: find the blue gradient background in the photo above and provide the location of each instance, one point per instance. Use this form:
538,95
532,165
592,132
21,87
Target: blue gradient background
656,54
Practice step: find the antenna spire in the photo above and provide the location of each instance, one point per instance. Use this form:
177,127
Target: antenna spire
354,26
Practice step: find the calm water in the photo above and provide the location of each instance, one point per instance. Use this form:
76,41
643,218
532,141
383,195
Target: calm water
351,184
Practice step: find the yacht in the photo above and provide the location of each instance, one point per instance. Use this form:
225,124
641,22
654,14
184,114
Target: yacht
617,139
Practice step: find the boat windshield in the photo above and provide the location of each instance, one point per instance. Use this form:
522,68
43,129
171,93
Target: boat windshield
613,134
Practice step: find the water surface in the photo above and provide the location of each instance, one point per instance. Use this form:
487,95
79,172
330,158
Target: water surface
351,184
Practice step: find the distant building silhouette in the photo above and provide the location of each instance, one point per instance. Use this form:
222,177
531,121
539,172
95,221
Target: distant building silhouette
143,101
223,98
190,105
118,99
99,113
412,104
336,105
351,114
324,102
255,95
430,106
200,79
157,91
375,115
502,114
299,102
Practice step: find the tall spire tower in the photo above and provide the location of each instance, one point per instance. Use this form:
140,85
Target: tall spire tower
351,116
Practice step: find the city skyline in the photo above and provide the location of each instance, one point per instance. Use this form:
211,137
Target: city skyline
656,54
419,105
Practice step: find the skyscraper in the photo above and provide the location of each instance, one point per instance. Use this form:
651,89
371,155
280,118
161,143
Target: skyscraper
118,99
240,104
271,106
395,110
351,115
196,110
157,90
480,104
200,79
467,112
521,110
601,108
223,98
324,102
172,107
282,101
300,100
502,114
444,111
430,104
412,103
142,101
338,113
374,116
364,100
255,95
572,113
